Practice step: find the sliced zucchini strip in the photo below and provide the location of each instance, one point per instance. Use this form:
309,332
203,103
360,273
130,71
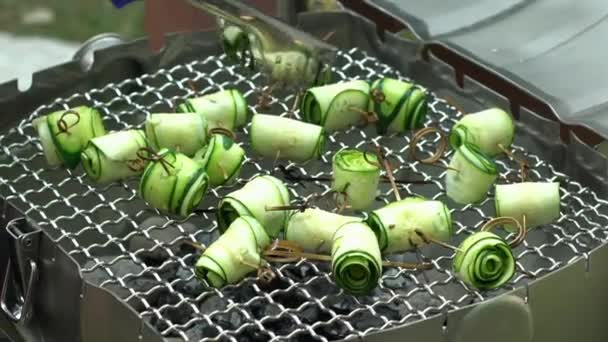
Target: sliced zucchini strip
396,225
184,132
222,159
539,202
335,106
64,134
313,229
356,177
484,261
400,106
253,199
273,136
487,130
173,183
234,254
356,261
470,176
114,156
224,109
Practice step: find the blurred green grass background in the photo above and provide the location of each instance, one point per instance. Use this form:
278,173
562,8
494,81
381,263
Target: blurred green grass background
72,20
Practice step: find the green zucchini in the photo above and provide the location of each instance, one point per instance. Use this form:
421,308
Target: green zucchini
488,130
355,178
185,132
335,106
400,106
397,223
313,229
64,134
222,159
470,176
173,183
484,261
273,136
253,199
224,109
539,202
236,253
113,157
356,262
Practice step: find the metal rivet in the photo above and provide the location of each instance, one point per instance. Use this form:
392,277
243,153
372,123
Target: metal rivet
27,242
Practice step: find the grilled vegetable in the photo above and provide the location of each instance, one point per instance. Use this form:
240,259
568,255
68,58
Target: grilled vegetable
484,261
356,262
185,133
335,106
273,136
486,129
400,106
471,175
313,229
356,178
287,57
114,156
222,159
225,109
173,183
234,254
237,46
395,225
538,201
254,199
64,134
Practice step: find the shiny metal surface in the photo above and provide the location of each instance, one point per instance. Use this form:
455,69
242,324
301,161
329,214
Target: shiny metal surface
123,245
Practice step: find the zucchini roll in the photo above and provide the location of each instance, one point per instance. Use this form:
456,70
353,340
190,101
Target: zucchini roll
273,136
356,177
114,156
484,261
64,134
355,258
237,46
222,159
234,254
471,175
225,109
184,133
173,183
290,68
395,225
486,129
400,106
313,229
335,106
538,201
253,199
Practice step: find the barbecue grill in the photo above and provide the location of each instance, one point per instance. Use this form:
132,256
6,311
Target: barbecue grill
83,262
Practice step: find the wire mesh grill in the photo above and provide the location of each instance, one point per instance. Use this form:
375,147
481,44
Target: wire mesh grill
128,247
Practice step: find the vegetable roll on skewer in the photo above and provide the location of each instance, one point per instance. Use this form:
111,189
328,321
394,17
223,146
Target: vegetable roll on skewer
356,177
539,202
488,130
273,136
235,254
254,199
64,134
313,229
222,159
335,106
400,106
225,109
182,132
470,176
114,156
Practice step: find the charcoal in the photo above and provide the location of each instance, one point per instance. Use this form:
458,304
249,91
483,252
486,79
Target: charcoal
299,273
312,313
252,334
212,304
240,294
230,320
282,325
364,320
261,308
179,315
423,300
341,305
166,235
394,281
333,331
290,299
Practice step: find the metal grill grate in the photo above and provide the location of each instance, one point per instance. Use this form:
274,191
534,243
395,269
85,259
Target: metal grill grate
126,246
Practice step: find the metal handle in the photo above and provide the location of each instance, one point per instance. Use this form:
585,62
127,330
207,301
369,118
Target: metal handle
23,312
18,287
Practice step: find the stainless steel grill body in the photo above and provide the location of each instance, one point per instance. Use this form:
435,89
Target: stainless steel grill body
138,254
